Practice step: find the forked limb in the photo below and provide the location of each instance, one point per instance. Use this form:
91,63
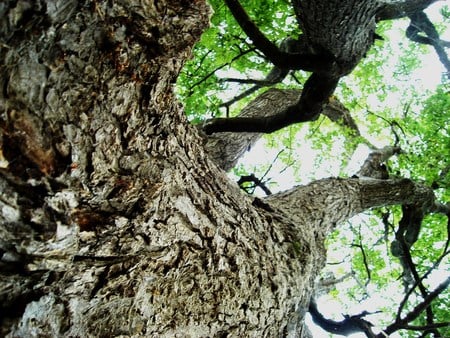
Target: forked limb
318,88
303,60
422,30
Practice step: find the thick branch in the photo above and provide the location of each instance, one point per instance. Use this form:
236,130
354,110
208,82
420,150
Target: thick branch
226,148
305,61
317,90
405,236
378,193
374,166
335,200
399,9
421,24
351,324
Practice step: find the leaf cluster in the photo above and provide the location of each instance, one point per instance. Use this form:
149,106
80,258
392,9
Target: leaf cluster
224,49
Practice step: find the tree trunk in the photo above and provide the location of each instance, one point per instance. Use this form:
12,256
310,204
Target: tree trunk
113,219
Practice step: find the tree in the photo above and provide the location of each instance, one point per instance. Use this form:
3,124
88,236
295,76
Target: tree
114,219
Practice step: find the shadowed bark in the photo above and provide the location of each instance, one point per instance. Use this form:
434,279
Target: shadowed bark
350,34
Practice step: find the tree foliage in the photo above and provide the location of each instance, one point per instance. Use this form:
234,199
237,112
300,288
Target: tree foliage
392,104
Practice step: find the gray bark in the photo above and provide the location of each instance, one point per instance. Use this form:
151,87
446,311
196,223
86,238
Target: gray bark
113,220
349,30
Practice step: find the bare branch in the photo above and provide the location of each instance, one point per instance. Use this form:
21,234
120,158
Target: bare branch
418,309
426,327
421,24
431,269
276,74
374,166
366,264
261,83
237,98
257,183
207,76
350,324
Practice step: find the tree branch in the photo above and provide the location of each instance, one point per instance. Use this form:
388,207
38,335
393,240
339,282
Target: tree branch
226,148
351,324
365,262
421,23
418,309
416,283
305,60
257,183
237,98
390,10
426,327
318,88
207,76
374,166
260,83
276,75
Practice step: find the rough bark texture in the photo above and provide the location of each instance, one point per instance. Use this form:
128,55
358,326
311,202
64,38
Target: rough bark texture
347,34
113,221
330,46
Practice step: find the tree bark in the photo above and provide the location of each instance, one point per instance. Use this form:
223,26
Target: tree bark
350,29
335,36
113,219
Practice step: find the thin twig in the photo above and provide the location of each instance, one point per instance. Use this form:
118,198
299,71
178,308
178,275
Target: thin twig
217,69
